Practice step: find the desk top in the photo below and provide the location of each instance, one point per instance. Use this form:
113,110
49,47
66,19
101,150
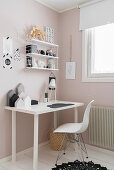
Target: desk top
42,108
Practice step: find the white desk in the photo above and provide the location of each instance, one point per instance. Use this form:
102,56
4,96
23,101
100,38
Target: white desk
36,110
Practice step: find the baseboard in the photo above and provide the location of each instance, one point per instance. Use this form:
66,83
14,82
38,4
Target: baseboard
105,151
43,143
8,158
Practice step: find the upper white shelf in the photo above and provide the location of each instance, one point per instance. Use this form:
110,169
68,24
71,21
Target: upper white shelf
42,42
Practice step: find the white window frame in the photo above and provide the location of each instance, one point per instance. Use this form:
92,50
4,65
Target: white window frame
86,62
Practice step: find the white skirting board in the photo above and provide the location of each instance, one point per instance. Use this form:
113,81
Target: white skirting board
105,151
8,158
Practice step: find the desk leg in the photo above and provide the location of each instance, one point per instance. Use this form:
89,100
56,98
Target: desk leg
75,120
76,115
35,151
13,136
55,120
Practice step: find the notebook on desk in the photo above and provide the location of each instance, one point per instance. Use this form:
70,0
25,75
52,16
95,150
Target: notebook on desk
57,105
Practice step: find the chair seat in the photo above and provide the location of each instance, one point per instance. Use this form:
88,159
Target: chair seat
69,128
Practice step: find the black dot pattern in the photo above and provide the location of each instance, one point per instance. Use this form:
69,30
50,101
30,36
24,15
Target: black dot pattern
77,165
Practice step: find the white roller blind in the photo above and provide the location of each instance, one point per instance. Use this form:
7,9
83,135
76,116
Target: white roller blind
96,14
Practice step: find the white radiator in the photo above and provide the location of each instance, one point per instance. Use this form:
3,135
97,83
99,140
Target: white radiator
101,127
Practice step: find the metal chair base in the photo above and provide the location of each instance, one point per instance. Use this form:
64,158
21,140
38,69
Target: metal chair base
76,139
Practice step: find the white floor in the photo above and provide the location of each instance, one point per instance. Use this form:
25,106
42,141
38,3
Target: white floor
47,159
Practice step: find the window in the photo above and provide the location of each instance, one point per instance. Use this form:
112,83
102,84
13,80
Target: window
98,54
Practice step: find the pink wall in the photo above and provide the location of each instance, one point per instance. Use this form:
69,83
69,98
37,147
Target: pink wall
75,90
16,19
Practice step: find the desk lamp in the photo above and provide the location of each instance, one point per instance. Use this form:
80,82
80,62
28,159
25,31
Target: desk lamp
52,83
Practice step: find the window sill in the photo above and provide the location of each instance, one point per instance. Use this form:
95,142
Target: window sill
102,80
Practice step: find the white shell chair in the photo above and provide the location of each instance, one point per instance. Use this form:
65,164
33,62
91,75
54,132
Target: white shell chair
77,129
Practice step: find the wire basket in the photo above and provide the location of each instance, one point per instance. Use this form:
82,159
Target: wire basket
56,140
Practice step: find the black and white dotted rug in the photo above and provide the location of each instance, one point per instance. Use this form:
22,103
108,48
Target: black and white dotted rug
77,165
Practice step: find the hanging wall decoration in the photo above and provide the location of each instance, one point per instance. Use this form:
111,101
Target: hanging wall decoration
7,61
70,70
70,66
7,45
9,54
7,51
16,55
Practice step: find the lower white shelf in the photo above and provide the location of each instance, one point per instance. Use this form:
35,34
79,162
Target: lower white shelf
36,68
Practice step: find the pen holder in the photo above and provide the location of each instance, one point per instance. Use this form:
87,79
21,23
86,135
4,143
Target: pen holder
46,99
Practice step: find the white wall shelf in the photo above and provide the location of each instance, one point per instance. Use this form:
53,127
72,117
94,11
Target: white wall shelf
41,42
40,55
37,68
40,58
